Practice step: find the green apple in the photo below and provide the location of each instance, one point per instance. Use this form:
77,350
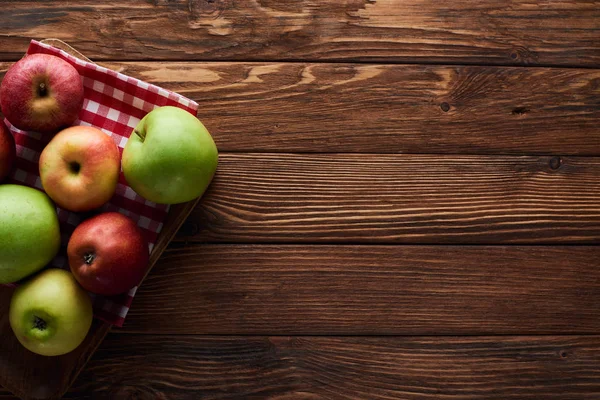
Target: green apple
29,232
170,157
51,314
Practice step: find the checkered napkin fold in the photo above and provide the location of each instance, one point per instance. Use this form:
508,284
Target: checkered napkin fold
114,103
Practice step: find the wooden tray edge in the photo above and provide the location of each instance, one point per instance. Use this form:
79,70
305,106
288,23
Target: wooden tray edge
176,217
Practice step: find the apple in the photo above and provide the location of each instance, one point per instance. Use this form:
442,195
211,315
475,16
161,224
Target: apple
51,314
170,157
8,151
108,254
80,168
41,93
29,232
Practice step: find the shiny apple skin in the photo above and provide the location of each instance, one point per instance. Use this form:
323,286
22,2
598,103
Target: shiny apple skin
108,254
30,108
98,163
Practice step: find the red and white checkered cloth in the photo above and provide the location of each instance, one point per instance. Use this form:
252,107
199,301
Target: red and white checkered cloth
114,103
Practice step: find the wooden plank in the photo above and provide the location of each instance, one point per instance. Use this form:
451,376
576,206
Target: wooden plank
303,107
514,32
289,107
370,290
491,368
364,198
300,107
6,395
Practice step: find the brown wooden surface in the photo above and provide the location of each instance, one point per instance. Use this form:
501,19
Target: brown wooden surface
180,367
473,208
297,107
370,290
365,198
515,367
487,32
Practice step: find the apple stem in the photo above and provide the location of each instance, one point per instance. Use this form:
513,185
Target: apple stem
39,323
89,258
42,91
140,135
75,167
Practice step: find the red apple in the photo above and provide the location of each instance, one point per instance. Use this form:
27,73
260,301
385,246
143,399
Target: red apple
7,151
80,168
108,254
41,93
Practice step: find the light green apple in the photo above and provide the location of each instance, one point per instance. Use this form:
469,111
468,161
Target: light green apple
29,232
51,314
170,157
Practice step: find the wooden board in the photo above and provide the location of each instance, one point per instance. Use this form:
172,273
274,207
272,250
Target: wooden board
317,368
294,76
372,198
307,107
298,107
514,32
371,290
31,376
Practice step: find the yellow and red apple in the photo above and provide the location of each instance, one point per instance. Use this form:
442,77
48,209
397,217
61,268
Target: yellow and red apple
80,168
108,254
41,92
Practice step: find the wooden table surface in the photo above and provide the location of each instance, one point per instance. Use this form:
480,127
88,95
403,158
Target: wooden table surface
407,204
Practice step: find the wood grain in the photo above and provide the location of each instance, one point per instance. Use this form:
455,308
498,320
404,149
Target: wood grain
372,290
344,198
491,368
316,108
304,107
515,32
276,105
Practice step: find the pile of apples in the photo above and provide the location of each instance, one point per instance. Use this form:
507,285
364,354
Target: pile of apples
169,158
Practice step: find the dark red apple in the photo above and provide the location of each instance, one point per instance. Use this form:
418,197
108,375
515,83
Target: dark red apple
7,151
108,254
41,93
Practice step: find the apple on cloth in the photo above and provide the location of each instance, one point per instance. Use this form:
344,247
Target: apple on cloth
108,254
114,103
80,168
29,232
50,313
171,158
41,93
